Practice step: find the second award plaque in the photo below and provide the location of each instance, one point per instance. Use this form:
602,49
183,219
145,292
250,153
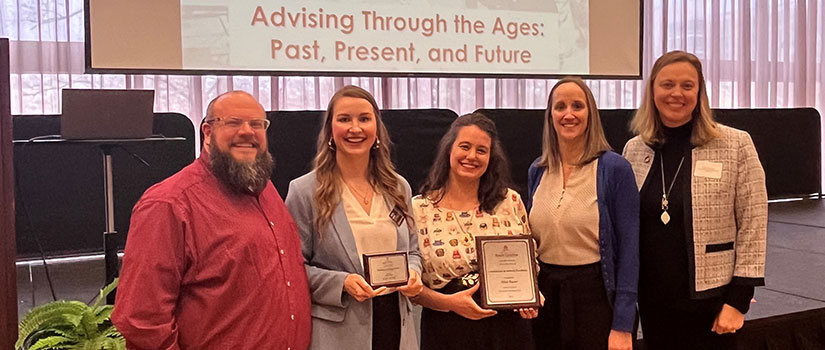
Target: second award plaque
386,269
507,272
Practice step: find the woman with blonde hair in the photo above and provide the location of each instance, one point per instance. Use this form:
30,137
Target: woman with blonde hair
703,213
354,203
583,206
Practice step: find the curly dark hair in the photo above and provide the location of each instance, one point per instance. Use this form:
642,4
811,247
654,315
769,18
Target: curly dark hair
493,184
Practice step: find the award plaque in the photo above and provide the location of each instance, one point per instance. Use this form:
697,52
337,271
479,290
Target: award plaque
386,269
507,272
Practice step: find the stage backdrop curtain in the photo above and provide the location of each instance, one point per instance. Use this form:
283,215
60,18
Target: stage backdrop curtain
757,53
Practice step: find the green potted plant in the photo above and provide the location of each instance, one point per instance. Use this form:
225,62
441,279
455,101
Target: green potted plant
71,325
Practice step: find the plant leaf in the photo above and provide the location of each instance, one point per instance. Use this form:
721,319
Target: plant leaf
111,332
71,325
49,315
101,298
103,313
88,324
68,332
114,344
53,342
85,345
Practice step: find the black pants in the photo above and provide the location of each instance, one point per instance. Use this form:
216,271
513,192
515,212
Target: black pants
669,328
386,322
576,313
451,331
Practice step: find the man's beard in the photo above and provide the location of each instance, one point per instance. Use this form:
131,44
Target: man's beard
241,177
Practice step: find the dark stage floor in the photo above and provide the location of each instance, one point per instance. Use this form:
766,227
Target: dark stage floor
795,267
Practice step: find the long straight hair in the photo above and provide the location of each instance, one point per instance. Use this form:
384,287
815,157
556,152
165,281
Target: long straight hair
381,174
648,124
595,142
493,185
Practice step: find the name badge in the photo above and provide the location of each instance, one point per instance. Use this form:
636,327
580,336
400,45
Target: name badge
708,169
397,216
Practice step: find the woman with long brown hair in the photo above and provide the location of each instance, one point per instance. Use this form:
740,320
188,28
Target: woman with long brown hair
354,203
465,196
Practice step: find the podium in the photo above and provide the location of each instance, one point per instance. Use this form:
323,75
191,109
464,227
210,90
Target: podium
106,147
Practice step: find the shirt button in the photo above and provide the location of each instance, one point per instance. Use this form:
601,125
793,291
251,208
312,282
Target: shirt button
292,317
282,252
271,223
288,284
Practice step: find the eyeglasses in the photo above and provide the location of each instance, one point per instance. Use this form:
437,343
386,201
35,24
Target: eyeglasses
237,123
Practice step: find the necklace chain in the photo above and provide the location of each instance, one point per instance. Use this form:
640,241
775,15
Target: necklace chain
665,217
364,197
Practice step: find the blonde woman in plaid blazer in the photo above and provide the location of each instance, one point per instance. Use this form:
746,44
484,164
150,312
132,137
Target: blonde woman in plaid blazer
703,213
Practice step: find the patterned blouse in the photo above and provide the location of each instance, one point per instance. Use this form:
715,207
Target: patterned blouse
446,236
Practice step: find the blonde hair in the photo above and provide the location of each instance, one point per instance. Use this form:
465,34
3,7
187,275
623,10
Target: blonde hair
381,171
595,143
648,124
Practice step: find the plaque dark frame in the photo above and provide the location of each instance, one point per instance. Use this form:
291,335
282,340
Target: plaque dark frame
482,278
367,276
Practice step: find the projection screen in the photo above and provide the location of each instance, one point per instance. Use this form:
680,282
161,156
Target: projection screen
480,38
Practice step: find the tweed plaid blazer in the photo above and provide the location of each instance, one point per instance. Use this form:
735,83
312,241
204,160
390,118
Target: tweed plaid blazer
729,211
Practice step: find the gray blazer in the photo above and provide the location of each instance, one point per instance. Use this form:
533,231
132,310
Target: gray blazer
338,320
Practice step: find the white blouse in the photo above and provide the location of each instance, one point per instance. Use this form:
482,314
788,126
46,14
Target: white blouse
374,232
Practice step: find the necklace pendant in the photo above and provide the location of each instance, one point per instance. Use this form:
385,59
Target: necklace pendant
665,217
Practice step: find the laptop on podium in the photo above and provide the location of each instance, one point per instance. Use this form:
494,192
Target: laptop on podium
106,114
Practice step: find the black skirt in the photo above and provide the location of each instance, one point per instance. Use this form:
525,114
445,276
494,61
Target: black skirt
451,331
386,322
576,313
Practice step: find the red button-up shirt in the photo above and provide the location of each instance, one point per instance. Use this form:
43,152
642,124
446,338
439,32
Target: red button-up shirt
207,268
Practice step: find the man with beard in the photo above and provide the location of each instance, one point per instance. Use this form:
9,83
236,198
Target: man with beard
213,259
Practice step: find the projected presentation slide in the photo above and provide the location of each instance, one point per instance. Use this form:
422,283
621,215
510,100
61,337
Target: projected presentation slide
426,37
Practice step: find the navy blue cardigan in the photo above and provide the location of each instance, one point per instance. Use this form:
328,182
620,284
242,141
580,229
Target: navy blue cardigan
618,199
